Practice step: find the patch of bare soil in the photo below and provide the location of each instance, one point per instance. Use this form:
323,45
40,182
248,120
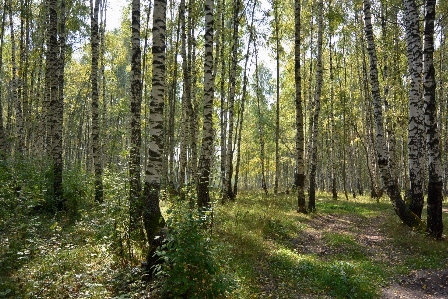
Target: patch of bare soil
420,284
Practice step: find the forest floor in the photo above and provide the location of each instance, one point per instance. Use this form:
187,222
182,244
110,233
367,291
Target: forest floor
346,249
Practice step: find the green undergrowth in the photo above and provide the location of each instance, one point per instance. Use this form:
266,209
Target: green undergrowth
84,252
278,253
255,247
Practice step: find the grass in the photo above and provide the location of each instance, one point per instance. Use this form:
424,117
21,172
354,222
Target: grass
278,253
347,249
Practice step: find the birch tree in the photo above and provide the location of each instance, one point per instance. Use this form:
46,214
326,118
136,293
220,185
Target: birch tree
228,192
136,102
15,87
277,95
207,129
243,99
260,123
393,191
152,216
317,96
3,146
96,148
300,142
55,105
435,185
186,98
416,147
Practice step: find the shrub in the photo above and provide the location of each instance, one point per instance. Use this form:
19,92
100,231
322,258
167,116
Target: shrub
189,266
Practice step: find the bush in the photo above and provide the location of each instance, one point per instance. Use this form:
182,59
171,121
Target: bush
189,266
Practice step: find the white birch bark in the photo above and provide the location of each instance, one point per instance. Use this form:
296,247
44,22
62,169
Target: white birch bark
207,129
407,216
152,216
136,102
96,148
416,148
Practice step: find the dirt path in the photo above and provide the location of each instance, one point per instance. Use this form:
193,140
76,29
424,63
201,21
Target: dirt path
420,284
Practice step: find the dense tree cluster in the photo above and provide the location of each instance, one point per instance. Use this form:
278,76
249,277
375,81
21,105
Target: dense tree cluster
343,96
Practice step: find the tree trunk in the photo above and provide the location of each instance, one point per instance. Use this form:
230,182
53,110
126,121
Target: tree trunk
152,216
172,112
277,111
3,146
416,148
55,106
15,88
243,101
405,214
228,192
59,105
344,118
368,138
96,147
136,103
434,210
300,142
23,83
317,95
332,134
223,106
207,130
186,100
260,125
191,104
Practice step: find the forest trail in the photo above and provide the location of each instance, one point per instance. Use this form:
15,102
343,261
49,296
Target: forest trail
367,233
344,250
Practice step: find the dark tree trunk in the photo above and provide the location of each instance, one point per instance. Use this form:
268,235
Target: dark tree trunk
3,146
300,141
209,88
136,102
96,148
435,185
317,95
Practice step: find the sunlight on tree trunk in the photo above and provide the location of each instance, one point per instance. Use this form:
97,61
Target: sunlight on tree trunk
405,214
152,216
